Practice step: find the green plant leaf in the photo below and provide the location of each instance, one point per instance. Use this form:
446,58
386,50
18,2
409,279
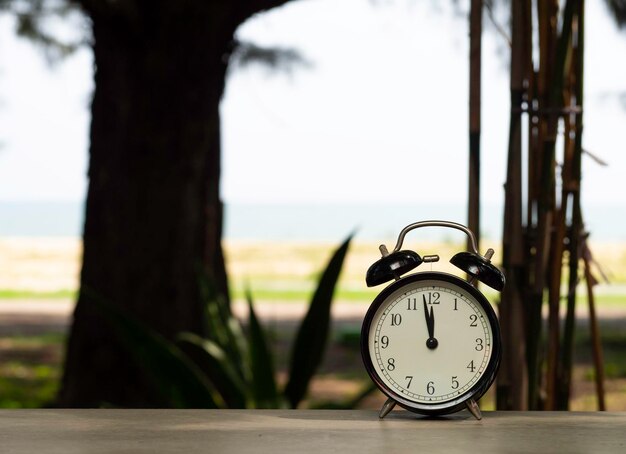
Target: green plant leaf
261,363
223,328
312,336
212,359
175,376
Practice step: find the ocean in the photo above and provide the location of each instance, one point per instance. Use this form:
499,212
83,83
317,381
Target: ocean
302,222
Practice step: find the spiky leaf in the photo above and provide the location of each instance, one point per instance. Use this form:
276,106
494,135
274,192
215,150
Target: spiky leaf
218,366
312,336
261,363
178,380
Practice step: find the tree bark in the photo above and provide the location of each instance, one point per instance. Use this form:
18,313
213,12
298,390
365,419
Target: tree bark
153,212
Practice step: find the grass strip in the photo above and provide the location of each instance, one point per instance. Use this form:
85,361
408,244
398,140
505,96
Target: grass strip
10,294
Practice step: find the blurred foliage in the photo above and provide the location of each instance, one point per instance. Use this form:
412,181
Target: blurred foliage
26,385
58,27
618,9
30,370
233,367
283,59
179,382
40,20
614,347
34,16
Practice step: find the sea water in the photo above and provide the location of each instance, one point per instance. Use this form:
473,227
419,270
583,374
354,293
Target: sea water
302,222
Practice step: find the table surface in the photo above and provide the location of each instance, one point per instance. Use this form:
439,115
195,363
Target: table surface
305,431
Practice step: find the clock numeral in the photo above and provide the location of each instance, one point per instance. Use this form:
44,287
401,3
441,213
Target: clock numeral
391,364
430,388
479,344
384,341
471,366
433,298
411,304
474,320
455,305
410,379
455,382
396,319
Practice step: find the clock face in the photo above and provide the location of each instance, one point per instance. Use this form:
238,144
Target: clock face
431,341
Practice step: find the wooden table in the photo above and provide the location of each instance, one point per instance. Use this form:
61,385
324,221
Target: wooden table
305,431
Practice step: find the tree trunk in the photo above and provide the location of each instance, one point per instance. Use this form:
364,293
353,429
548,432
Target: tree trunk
153,214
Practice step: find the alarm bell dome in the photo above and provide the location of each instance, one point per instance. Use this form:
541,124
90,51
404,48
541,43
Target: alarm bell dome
392,267
481,268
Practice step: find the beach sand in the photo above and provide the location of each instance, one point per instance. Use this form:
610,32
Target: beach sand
39,267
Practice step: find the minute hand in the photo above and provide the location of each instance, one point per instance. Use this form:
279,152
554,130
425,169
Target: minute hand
431,342
430,319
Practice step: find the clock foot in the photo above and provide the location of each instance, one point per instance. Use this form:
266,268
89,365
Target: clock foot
473,408
387,407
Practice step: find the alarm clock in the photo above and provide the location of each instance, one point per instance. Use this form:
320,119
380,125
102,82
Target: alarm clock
430,340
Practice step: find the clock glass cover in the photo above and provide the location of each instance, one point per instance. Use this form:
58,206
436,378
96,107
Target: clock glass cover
432,342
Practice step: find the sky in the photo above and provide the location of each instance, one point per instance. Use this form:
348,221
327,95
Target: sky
379,115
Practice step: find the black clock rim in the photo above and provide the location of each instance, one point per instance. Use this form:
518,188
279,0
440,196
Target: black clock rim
476,391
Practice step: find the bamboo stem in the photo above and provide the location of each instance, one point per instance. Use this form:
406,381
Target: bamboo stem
573,183
535,240
563,47
475,57
598,356
512,382
563,364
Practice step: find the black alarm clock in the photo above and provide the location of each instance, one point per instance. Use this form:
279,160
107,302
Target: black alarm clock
431,340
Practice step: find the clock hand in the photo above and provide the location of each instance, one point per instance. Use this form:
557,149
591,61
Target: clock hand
431,332
427,317
431,342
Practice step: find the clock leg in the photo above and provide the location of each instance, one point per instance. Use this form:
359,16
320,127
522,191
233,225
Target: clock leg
473,408
387,407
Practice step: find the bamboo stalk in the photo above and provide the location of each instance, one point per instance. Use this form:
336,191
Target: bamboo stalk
576,224
534,246
563,364
512,382
548,162
531,96
576,245
532,291
539,198
475,57
598,356
569,327
560,372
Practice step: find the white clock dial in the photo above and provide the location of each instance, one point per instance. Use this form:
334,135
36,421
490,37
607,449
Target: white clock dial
430,342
